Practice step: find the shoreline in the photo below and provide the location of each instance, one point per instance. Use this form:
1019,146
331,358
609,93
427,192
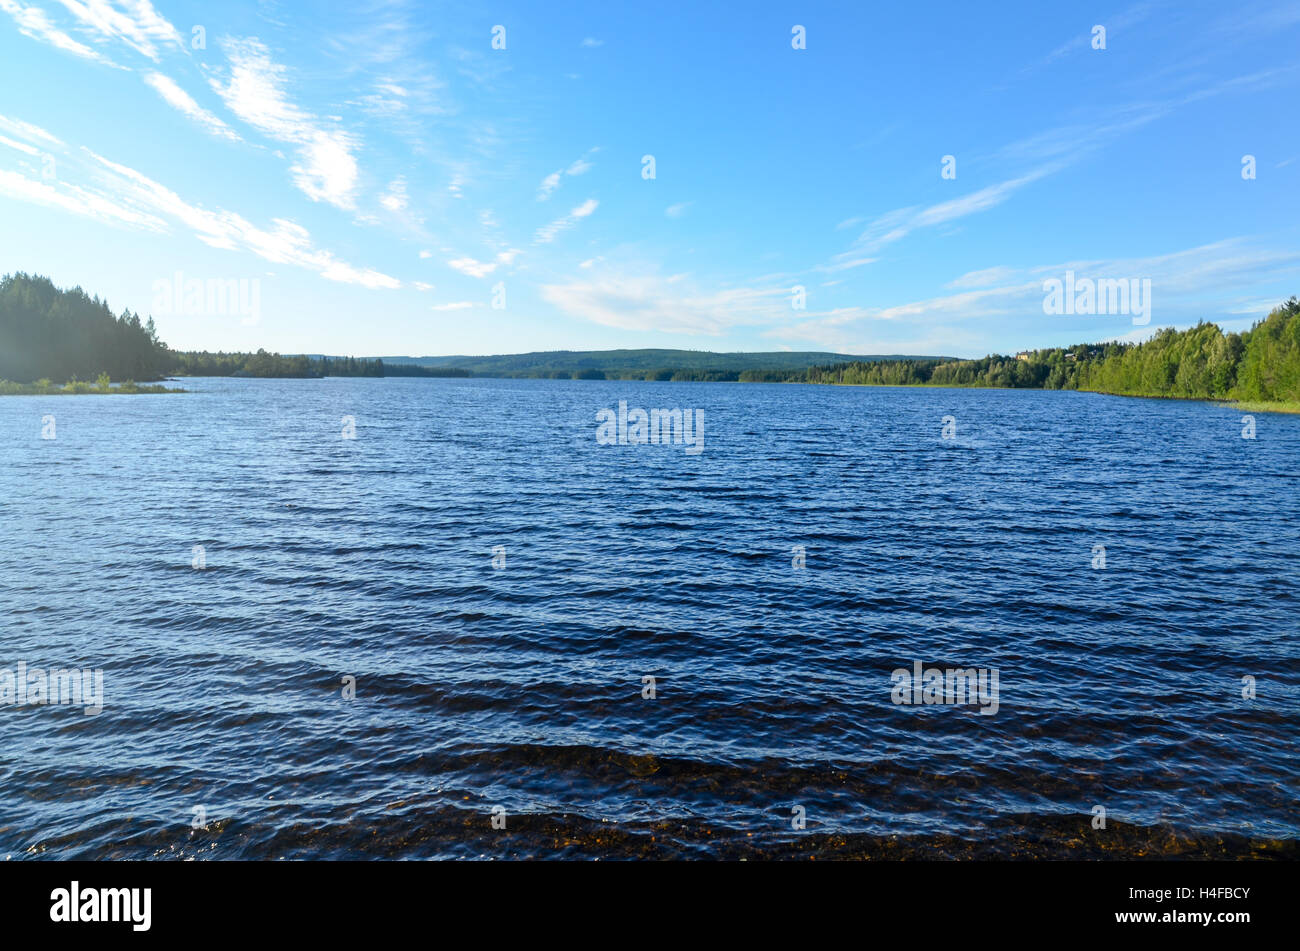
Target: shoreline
66,389
7,388
1250,406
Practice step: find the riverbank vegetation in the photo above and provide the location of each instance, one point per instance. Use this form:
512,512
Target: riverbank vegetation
46,387
48,334
1260,366
52,340
266,365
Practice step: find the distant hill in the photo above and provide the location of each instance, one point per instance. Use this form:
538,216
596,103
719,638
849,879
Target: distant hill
641,364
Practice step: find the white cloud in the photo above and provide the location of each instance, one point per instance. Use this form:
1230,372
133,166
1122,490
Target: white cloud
1082,39
548,186
425,255
989,275
78,201
454,305
677,210
32,22
898,224
474,268
650,302
118,195
388,101
395,199
591,42
286,243
326,169
134,22
846,263
551,182
179,99
32,133
20,146
421,286
548,233
1180,283
471,267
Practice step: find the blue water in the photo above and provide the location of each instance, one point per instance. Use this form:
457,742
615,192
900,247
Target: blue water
521,686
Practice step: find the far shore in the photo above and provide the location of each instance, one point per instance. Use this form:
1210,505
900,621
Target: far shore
1249,406
129,388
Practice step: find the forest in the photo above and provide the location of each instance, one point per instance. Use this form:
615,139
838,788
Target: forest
51,334
263,364
1259,365
48,334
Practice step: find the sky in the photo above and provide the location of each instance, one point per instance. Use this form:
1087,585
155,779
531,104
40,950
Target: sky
444,178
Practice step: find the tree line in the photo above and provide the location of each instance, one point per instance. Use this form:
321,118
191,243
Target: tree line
51,334
47,333
273,365
1261,364
65,335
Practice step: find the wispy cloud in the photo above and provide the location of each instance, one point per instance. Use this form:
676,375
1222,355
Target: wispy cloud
549,184
846,262
1082,39
77,201
32,133
983,278
179,99
115,194
647,301
134,22
395,199
286,242
471,267
1047,152
34,23
552,182
19,146
548,233
896,225
1232,271
326,169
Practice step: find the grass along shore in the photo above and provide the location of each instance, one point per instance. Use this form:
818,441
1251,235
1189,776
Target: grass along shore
1246,406
47,333
1257,406
79,387
106,387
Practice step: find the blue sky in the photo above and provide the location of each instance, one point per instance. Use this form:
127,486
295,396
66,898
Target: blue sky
382,172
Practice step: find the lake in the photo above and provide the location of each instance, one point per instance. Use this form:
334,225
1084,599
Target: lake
417,618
